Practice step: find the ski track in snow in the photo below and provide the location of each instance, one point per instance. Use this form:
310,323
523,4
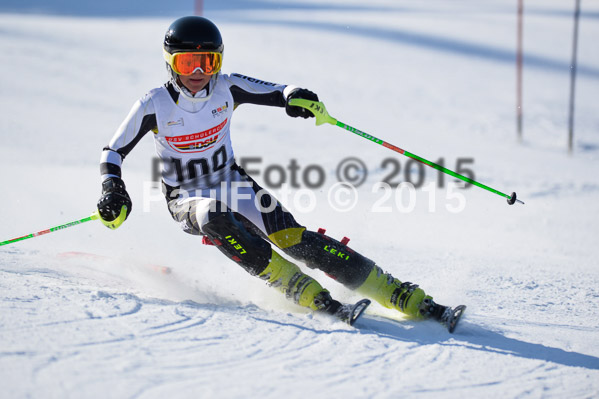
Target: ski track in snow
158,345
90,313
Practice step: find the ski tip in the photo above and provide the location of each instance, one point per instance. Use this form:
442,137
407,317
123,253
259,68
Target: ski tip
161,269
453,320
357,310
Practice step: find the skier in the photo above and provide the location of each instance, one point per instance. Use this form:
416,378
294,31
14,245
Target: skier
211,196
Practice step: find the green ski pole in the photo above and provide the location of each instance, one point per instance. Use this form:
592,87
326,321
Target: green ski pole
93,216
322,117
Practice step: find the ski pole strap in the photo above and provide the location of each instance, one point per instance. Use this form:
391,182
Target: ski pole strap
322,116
93,216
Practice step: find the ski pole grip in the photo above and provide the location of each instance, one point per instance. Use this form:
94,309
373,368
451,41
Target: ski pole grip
317,108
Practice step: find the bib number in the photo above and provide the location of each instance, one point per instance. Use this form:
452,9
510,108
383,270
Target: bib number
203,166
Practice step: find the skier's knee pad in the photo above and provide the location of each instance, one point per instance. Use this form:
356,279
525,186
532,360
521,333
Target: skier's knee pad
332,257
185,213
233,239
193,213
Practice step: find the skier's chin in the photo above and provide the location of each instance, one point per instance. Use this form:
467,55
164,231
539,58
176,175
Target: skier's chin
195,84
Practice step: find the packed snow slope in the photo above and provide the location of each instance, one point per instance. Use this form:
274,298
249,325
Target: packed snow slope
92,313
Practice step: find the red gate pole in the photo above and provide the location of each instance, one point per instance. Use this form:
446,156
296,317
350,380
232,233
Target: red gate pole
199,7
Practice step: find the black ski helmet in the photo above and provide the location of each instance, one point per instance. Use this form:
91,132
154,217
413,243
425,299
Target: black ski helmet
187,34
192,33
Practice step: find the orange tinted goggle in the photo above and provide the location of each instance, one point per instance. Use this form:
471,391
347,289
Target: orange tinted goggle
208,63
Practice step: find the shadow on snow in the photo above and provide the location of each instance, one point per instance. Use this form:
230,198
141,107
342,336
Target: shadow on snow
473,337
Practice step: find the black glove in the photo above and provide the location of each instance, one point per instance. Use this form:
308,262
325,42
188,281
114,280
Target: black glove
114,196
299,111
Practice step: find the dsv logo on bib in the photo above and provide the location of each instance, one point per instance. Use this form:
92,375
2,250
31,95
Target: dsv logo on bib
196,142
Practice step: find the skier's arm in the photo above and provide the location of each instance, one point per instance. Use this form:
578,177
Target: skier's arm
115,199
255,91
141,120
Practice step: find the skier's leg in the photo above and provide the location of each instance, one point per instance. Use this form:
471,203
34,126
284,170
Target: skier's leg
329,255
355,271
230,234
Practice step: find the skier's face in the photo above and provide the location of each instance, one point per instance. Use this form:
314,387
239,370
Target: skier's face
195,82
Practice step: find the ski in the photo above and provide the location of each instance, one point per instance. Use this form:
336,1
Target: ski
350,313
452,317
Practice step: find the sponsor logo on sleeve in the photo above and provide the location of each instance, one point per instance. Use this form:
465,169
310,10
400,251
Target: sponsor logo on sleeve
262,82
